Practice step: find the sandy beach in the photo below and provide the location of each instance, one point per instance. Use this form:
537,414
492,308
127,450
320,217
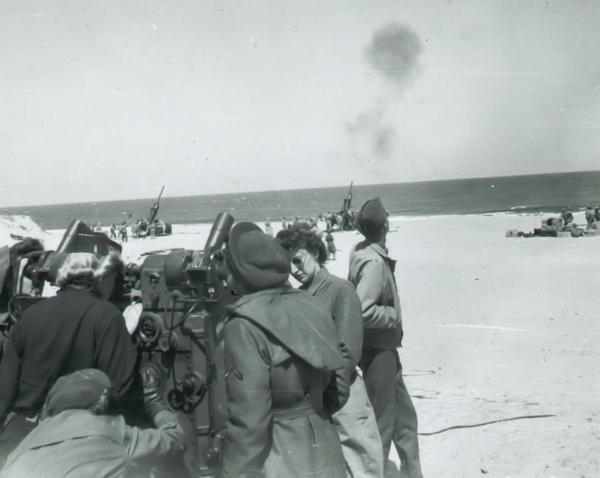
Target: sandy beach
495,328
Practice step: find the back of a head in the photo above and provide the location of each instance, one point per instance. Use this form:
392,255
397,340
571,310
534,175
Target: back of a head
86,269
78,268
80,390
371,219
256,259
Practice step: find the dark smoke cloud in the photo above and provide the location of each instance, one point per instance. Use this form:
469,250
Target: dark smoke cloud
384,141
373,134
393,52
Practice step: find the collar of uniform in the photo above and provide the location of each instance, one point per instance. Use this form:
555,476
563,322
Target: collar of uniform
383,252
379,249
75,289
320,277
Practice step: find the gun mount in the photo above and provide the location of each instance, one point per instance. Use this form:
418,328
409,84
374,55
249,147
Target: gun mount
180,330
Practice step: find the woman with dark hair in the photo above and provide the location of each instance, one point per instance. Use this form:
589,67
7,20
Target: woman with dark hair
281,353
76,329
355,422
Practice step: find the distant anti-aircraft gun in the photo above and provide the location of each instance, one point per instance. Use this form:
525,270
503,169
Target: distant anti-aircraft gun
348,200
155,207
347,216
151,226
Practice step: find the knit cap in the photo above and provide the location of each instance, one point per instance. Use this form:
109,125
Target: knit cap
255,258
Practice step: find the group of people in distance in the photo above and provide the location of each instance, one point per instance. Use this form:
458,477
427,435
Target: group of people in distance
342,221
592,217
313,375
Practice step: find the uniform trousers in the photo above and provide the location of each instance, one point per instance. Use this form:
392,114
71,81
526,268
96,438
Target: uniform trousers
357,428
394,410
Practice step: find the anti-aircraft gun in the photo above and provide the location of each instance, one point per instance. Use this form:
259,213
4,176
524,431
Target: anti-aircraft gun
346,215
151,226
180,330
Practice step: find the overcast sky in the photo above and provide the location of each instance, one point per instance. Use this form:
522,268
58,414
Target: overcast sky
104,100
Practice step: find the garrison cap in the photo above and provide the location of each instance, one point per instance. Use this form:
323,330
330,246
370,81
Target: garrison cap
371,217
78,390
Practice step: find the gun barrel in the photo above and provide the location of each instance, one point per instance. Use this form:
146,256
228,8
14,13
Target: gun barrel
155,207
217,236
160,194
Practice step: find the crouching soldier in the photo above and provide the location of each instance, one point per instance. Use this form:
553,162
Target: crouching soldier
281,352
76,437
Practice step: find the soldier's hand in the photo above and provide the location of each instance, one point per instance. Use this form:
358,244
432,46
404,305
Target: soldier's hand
153,402
337,392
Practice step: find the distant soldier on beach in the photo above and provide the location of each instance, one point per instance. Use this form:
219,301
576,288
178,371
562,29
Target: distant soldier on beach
372,272
283,223
590,217
331,249
268,229
328,221
123,232
567,216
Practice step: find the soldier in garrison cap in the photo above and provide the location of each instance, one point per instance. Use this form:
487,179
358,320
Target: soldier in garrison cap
372,272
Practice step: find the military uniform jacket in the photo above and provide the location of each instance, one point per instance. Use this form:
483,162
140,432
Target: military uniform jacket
77,443
280,348
372,273
340,299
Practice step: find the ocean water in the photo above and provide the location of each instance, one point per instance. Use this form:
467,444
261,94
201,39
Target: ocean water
531,193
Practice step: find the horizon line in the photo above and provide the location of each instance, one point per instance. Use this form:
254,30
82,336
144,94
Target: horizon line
302,188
